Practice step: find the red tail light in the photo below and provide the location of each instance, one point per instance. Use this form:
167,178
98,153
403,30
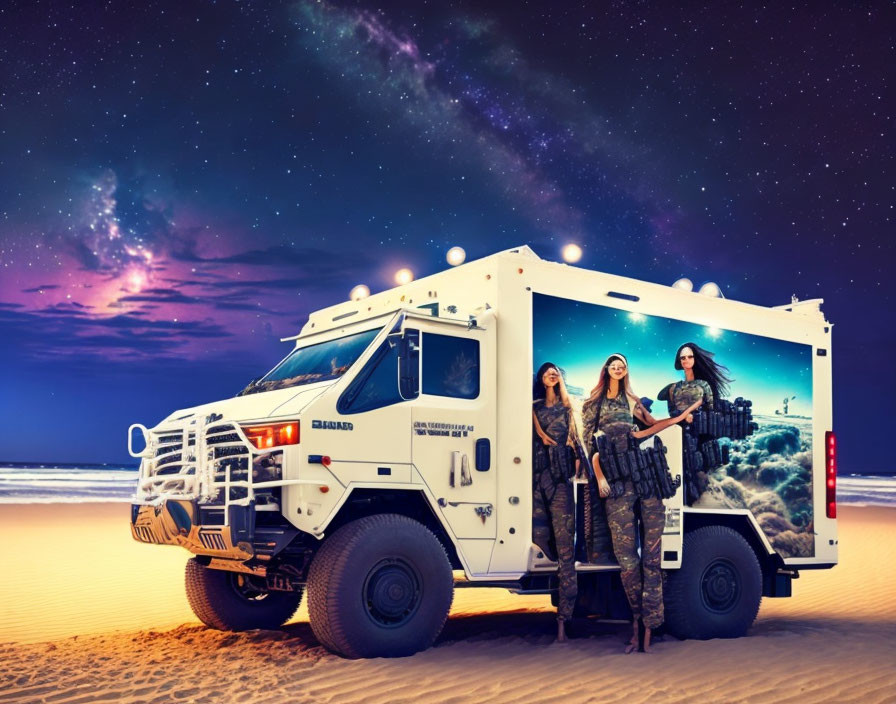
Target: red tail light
267,436
830,473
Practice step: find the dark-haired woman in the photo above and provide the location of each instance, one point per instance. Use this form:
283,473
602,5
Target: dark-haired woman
553,466
611,410
704,379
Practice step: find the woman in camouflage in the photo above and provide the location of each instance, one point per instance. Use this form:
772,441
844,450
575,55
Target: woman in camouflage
704,379
553,466
611,410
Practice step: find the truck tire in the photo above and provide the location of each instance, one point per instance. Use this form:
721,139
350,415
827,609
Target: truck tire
380,586
717,591
232,601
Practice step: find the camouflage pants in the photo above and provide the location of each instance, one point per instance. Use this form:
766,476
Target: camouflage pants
554,517
642,577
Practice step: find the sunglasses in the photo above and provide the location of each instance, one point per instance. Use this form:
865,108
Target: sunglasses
686,356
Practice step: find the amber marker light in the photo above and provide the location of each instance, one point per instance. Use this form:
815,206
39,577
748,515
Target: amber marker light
275,435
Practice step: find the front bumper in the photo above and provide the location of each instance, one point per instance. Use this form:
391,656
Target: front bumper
177,522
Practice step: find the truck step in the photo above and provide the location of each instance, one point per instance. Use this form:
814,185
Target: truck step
597,566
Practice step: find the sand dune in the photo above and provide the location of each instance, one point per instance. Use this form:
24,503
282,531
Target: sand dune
833,641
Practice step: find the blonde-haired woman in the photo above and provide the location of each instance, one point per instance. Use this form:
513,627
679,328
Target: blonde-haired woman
611,410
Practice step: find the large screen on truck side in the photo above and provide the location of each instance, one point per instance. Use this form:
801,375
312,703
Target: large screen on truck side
750,448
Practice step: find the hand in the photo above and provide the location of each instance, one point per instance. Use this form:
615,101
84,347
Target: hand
603,488
548,441
689,418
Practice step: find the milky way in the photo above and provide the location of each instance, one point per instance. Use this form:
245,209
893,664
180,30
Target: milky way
524,129
183,184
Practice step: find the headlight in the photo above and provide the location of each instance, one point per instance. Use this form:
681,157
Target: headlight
266,436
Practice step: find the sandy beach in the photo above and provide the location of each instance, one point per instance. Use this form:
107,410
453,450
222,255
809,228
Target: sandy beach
89,615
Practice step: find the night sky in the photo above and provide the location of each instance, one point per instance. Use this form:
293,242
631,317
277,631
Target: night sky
182,183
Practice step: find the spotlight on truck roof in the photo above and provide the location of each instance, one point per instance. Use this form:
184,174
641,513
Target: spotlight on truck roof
358,292
404,276
711,288
684,284
456,256
571,253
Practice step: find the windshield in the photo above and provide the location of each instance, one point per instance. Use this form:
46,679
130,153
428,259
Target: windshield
320,362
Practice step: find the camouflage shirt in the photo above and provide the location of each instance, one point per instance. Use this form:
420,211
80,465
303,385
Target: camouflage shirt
613,418
685,393
554,420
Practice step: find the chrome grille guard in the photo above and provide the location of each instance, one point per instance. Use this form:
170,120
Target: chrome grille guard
198,460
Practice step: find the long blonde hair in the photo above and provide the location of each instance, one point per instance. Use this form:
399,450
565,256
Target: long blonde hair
599,392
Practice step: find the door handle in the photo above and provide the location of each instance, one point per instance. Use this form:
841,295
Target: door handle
483,455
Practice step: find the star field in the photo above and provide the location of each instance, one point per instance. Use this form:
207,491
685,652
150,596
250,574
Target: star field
184,183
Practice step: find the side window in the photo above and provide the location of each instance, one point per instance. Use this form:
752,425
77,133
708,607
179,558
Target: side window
375,386
450,366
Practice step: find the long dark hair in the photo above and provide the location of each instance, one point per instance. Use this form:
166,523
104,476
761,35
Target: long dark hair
707,369
538,389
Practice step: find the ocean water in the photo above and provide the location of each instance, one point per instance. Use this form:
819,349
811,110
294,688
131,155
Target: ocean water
860,490
66,484
20,484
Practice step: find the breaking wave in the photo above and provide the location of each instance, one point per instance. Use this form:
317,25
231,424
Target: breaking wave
46,485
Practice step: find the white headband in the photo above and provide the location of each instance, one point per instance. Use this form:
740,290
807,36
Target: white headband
616,354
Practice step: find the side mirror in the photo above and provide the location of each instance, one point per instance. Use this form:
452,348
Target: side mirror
248,388
409,345
409,365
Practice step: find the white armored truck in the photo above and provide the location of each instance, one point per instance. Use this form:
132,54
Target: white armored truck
387,460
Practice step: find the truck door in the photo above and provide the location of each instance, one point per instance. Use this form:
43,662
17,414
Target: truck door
453,420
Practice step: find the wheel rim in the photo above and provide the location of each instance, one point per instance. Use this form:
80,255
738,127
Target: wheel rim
246,588
720,586
392,593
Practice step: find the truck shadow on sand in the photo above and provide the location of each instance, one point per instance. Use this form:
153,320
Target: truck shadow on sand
853,628
539,629
528,627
